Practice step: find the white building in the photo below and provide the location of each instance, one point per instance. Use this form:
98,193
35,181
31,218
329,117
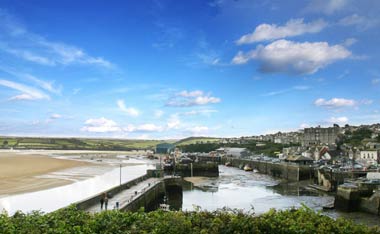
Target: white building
369,156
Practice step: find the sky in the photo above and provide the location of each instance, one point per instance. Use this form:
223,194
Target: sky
168,69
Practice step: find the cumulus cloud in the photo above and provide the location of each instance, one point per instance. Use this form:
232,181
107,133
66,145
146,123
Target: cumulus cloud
27,93
293,27
283,56
101,125
128,110
191,98
335,102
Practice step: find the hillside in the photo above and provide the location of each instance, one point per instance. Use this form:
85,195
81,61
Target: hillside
195,140
76,143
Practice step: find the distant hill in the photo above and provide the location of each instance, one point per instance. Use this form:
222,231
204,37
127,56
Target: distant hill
77,143
195,140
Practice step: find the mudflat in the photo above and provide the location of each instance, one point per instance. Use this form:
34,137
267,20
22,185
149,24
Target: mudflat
19,171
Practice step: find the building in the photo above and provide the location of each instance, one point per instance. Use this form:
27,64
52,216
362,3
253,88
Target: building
299,159
320,136
369,156
164,148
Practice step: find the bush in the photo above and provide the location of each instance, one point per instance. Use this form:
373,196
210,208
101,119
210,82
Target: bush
71,220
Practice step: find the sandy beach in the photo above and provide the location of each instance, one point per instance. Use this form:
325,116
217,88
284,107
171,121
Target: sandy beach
19,171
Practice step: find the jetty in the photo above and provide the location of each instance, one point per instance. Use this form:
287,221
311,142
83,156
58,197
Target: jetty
145,191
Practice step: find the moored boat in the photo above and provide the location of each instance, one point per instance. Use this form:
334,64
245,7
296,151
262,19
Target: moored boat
247,168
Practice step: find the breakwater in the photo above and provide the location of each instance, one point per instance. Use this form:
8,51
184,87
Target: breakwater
207,169
94,200
288,171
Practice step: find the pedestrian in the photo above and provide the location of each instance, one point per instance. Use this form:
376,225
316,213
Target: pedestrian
102,201
105,201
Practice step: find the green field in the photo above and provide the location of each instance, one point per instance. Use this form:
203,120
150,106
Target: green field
197,140
77,143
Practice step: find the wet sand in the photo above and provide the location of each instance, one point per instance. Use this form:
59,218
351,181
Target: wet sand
19,171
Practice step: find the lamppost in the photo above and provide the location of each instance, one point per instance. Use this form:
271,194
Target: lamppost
120,174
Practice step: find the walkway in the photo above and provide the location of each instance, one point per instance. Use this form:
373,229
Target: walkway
126,196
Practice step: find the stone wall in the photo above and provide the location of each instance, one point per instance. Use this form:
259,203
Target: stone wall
88,202
288,171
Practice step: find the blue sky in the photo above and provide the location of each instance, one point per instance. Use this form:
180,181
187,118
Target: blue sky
165,69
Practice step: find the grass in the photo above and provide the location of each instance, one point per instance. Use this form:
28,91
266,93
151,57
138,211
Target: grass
195,140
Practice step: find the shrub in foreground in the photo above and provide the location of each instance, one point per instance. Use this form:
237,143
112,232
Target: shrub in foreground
71,220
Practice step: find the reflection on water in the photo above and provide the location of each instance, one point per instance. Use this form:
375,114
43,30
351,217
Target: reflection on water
238,189
55,198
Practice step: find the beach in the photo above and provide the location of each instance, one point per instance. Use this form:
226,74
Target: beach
19,171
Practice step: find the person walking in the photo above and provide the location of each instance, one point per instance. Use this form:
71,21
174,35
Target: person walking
105,201
102,200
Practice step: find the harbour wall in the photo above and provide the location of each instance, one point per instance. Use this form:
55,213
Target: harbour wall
151,197
88,202
207,169
288,171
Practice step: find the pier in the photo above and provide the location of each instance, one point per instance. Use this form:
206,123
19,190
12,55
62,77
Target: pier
145,191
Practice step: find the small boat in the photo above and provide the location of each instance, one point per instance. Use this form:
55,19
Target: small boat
247,168
329,206
228,164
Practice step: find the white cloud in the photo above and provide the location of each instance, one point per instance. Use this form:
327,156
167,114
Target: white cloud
337,120
360,22
39,50
200,112
55,116
304,125
375,81
293,27
327,6
149,127
158,113
101,125
128,110
191,98
173,122
284,56
197,130
294,88
46,85
186,93
27,93
335,102
349,42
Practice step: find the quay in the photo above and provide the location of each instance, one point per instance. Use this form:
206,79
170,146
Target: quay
145,191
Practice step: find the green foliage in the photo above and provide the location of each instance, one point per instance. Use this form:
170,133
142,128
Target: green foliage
355,138
269,149
71,220
208,147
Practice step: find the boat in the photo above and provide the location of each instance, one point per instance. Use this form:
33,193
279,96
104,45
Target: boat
247,168
228,164
329,206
